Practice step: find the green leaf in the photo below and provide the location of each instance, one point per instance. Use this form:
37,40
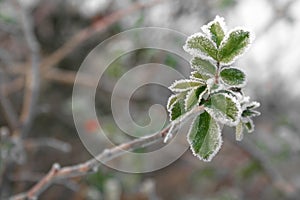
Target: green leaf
239,132
248,109
193,97
201,46
252,105
233,45
215,30
172,99
204,137
233,77
250,113
177,109
249,125
224,108
200,77
184,85
217,33
203,66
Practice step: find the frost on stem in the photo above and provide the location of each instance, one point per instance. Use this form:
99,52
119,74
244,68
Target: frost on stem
216,86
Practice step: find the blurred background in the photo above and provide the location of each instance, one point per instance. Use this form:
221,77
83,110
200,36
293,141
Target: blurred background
42,45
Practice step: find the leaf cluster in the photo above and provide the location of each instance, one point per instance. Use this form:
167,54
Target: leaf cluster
216,85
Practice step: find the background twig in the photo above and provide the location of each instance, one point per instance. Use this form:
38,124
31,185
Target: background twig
58,173
31,92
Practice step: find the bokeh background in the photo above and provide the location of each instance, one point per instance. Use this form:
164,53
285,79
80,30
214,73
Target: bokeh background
265,165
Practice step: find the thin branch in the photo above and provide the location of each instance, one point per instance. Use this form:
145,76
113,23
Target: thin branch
91,166
75,41
8,111
35,177
13,86
32,76
86,33
47,142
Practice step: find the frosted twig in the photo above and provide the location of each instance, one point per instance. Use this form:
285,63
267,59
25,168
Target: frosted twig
57,173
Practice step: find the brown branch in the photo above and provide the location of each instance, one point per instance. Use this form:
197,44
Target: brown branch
35,177
86,33
13,86
8,112
57,173
53,59
32,75
47,142
68,77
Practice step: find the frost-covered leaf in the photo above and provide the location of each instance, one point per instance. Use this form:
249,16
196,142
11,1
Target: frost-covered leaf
204,67
248,109
250,113
194,96
204,137
184,85
172,99
252,105
249,125
216,30
234,44
177,109
201,46
224,108
233,77
239,132
200,77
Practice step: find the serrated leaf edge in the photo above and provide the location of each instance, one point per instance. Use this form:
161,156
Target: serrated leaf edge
252,104
170,112
226,37
195,52
184,81
203,72
240,85
192,77
169,101
219,136
252,125
198,100
223,119
206,28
